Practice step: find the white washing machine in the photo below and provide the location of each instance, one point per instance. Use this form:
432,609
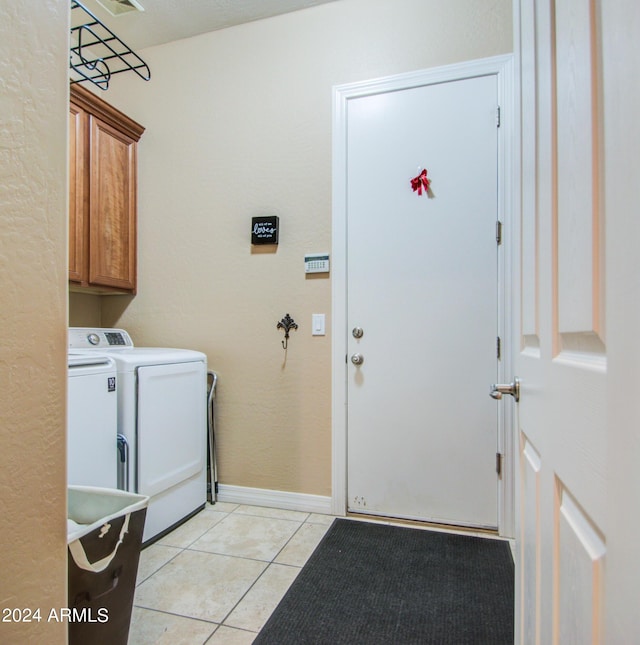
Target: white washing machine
162,403
92,407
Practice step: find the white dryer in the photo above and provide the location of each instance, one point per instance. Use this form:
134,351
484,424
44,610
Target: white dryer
162,404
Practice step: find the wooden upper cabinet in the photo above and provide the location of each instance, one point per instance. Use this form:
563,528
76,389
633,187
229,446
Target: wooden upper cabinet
103,195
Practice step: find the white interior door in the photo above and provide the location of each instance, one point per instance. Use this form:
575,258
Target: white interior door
422,284
563,355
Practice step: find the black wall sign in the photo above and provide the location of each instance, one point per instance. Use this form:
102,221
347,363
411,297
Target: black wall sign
264,230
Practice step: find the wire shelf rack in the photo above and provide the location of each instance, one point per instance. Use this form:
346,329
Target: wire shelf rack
96,53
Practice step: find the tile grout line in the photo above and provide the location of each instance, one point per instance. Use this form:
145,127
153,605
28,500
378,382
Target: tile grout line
162,566
171,613
269,564
182,549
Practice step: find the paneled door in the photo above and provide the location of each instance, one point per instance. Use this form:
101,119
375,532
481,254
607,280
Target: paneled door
422,301
563,350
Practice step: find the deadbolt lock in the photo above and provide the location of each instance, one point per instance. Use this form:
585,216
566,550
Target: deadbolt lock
358,332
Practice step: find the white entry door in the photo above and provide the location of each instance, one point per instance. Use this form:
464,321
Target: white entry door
422,306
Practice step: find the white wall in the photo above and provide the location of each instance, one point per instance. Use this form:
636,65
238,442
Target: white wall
238,125
33,313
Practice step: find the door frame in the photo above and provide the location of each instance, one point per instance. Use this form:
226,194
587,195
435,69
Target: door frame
502,67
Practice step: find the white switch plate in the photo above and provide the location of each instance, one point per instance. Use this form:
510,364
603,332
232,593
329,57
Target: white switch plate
317,325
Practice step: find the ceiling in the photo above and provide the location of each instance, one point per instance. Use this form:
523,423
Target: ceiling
165,20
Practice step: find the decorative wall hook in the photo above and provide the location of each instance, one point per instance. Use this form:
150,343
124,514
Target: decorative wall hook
286,323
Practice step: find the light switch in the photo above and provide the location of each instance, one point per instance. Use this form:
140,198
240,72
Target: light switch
317,325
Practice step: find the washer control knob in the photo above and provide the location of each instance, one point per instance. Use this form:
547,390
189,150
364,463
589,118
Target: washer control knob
94,339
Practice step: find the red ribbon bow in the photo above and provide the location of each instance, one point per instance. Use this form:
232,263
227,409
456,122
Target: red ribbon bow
420,182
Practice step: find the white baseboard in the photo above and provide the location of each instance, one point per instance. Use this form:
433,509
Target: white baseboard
274,499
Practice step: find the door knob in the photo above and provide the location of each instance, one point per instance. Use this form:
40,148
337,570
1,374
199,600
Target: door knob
357,359
498,389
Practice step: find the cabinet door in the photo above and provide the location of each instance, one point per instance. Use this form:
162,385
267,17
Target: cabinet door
112,213
78,195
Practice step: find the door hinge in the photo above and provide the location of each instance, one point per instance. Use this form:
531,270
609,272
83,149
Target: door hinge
499,232
498,347
498,116
499,464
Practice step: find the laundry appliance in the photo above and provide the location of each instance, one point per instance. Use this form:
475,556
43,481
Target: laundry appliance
92,455
162,424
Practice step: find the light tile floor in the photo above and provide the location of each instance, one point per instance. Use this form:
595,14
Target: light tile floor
217,578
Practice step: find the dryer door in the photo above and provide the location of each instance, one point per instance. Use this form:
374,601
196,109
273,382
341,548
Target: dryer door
171,424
